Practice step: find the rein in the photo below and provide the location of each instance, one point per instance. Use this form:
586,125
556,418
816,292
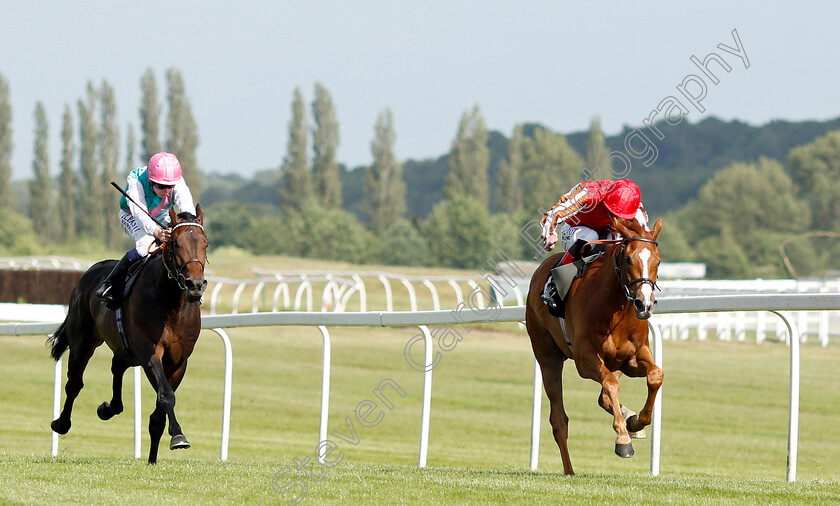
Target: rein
178,274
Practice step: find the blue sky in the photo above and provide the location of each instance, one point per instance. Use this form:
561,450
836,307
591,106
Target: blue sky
555,63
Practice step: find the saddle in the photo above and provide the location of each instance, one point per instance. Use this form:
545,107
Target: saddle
130,277
558,284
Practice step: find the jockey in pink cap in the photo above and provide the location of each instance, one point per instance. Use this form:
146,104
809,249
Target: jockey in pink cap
585,212
154,187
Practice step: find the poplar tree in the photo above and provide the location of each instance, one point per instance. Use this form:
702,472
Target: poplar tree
596,152
509,195
550,167
149,117
130,142
40,187
297,176
7,196
67,191
91,219
324,144
469,159
109,139
384,185
182,131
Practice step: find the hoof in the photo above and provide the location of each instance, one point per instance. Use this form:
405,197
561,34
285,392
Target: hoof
641,434
58,427
624,451
104,411
179,442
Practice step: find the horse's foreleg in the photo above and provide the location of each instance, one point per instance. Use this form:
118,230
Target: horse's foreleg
76,365
165,398
609,401
157,421
179,440
108,410
591,365
645,367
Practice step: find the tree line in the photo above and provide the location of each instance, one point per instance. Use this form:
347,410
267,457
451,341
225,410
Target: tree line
77,206
744,208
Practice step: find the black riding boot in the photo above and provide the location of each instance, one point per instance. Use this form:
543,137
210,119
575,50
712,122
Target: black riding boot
106,291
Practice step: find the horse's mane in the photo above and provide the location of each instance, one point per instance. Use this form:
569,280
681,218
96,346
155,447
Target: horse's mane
633,226
187,216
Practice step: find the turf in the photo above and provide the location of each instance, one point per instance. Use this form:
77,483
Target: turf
725,412
724,437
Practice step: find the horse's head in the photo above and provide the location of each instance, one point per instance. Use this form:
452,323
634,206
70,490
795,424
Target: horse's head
186,253
637,264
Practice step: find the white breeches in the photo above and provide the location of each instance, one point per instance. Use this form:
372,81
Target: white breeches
570,235
132,228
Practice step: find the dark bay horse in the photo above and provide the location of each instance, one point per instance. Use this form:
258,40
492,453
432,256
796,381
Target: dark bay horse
161,319
606,313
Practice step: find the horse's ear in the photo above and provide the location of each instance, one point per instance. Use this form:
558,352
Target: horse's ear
173,218
657,227
199,213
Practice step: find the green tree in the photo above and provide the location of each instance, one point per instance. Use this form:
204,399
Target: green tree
149,117
403,244
459,232
741,217
596,150
40,187
550,167
91,219
753,197
7,196
67,181
816,167
324,144
384,185
130,143
469,159
182,131
673,245
109,140
17,234
336,235
509,197
723,255
297,177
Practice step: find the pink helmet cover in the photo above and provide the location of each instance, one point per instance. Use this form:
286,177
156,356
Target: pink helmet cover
164,168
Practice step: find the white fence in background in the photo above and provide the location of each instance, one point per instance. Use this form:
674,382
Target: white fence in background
779,304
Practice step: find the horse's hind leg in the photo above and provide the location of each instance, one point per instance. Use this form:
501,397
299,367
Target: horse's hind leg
107,410
553,383
79,358
551,361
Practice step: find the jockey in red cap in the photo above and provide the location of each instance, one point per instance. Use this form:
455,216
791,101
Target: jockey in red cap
585,211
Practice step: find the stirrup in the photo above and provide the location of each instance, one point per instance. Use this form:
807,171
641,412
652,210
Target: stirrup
104,292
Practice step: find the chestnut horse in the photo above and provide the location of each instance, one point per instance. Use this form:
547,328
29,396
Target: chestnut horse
606,309
161,322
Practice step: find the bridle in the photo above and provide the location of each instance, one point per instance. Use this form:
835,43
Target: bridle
176,272
620,268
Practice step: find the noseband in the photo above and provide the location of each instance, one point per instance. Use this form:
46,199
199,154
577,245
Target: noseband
620,267
177,274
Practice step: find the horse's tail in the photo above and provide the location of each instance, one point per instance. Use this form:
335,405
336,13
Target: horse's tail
59,342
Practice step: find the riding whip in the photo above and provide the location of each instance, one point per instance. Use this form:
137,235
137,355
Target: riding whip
161,225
